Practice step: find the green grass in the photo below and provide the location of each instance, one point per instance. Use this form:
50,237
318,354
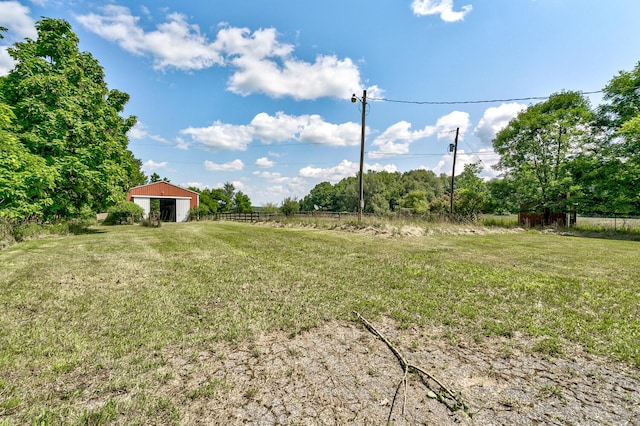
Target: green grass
86,318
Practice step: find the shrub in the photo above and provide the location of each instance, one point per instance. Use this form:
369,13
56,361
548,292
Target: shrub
126,212
290,206
153,221
199,212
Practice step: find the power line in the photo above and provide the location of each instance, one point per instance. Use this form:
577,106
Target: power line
486,101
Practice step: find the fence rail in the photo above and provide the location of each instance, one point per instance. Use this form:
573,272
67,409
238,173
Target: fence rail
260,216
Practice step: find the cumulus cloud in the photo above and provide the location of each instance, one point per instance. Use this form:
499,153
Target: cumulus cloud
221,136
396,139
174,43
152,166
444,8
232,166
486,157
260,63
264,162
198,185
274,129
267,175
496,119
139,131
16,18
343,170
332,174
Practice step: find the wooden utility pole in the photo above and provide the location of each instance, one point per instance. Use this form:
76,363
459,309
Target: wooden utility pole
453,173
360,176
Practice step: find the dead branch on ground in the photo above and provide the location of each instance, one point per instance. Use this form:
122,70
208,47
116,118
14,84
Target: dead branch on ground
453,401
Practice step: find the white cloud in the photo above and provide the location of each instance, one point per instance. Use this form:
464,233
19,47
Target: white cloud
305,128
139,131
332,174
221,136
198,185
237,185
264,162
260,63
182,144
486,157
267,175
496,119
391,168
447,124
343,170
278,128
174,43
396,139
273,129
6,61
444,8
16,18
152,166
232,166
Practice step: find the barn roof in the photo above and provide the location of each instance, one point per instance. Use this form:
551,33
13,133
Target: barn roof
158,187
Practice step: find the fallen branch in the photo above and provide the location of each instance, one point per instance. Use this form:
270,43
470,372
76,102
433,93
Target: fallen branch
407,367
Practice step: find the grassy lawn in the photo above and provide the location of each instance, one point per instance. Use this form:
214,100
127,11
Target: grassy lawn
104,304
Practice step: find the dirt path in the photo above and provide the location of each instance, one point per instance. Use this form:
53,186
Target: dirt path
340,374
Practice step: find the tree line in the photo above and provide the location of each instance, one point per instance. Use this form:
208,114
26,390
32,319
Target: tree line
64,150
560,155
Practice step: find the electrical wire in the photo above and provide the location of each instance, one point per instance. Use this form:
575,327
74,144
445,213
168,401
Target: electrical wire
486,101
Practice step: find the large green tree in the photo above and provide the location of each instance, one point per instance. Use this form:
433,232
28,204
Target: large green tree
67,116
537,147
26,182
471,194
616,167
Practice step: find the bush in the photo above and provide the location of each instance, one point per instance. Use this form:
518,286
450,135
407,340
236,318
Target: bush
199,212
153,221
126,212
290,206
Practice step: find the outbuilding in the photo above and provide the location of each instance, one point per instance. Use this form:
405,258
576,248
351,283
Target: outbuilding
175,201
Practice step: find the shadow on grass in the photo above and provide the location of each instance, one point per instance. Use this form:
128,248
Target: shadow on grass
605,235
85,231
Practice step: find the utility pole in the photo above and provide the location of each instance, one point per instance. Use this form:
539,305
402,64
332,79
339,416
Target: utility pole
361,177
453,173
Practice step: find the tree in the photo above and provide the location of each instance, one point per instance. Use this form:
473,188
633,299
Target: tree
322,197
289,206
241,203
470,194
416,201
67,116
613,172
26,181
537,146
156,178
228,190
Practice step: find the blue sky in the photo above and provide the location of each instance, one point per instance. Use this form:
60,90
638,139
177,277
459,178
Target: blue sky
257,92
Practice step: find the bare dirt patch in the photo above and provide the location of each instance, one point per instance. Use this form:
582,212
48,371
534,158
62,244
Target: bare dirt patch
341,374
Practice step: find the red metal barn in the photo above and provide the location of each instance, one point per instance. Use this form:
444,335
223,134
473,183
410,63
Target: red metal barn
175,201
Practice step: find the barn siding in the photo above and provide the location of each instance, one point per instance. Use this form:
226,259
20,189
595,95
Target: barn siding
185,198
145,203
182,210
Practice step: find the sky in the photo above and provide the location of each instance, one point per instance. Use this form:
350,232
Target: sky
258,93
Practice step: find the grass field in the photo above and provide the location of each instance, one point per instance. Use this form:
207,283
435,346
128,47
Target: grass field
103,304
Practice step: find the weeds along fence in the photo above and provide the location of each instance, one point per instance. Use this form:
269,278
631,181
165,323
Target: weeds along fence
261,217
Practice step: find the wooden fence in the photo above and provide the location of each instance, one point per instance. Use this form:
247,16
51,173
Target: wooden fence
260,216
